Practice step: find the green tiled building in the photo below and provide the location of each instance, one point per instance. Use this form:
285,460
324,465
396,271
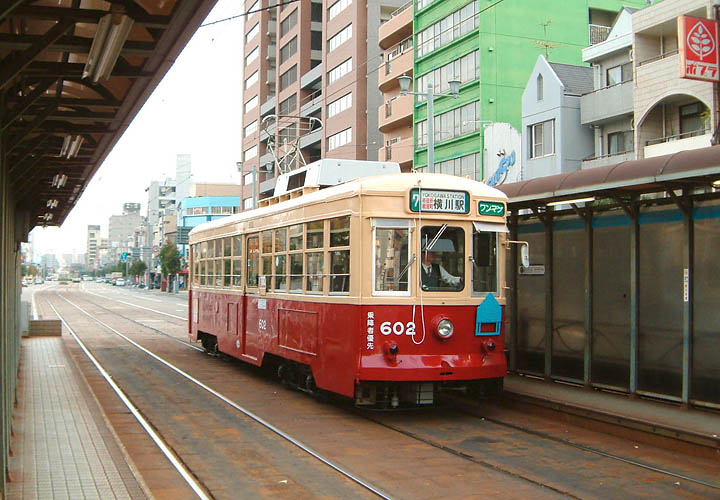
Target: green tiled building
492,47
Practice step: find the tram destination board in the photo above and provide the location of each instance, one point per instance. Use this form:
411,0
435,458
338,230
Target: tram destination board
436,200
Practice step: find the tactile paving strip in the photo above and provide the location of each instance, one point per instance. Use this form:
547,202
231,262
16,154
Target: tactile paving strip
62,446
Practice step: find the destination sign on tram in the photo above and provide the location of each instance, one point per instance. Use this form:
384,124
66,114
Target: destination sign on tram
491,208
435,200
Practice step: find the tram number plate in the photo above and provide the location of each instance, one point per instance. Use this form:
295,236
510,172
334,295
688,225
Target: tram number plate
435,200
398,328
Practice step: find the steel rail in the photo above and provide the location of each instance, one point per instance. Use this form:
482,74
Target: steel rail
187,344
377,491
135,305
196,486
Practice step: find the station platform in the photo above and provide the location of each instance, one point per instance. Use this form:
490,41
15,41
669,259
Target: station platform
691,425
62,446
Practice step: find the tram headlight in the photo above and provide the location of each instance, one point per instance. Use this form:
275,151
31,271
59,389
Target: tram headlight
445,329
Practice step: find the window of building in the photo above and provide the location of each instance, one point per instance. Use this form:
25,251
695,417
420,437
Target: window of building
288,78
316,12
540,89
453,123
446,30
250,128
251,103
465,69
620,142
337,8
340,70
468,166
248,203
288,105
619,74
252,33
542,139
339,105
250,153
288,23
251,80
692,122
254,53
340,37
340,139
316,40
288,50
248,178
421,4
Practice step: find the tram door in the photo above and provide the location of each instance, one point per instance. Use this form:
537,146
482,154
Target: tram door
249,321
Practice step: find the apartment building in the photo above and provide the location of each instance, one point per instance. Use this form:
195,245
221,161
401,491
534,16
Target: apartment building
491,48
92,252
310,90
641,106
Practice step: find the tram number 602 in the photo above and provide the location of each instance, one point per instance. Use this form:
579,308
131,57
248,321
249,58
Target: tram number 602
398,328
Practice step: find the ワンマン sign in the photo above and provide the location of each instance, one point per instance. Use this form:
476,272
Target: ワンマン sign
698,48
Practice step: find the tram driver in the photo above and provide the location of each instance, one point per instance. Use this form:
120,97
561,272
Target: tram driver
434,275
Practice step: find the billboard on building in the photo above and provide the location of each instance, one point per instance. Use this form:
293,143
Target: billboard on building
698,48
502,154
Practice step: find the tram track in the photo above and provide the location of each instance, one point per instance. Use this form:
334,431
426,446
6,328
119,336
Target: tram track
297,443
464,455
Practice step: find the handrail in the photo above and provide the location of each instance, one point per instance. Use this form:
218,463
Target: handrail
658,57
684,135
401,8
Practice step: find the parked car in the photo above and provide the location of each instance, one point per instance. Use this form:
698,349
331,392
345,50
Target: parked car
119,282
99,280
39,281
76,280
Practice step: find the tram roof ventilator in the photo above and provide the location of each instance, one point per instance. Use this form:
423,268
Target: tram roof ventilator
325,173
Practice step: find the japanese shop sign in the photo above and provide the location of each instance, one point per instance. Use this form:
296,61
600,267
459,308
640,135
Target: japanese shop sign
433,200
698,48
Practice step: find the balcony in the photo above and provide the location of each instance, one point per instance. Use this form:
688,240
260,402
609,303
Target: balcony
268,106
400,152
398,27
314,104
311,77
598,33
674,144
603,161
402,63
310,139
395,113
607,103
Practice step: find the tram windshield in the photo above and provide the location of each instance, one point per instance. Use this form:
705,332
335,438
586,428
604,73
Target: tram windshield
484,261
442,259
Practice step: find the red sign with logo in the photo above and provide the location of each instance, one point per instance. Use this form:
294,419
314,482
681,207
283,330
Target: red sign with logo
698,48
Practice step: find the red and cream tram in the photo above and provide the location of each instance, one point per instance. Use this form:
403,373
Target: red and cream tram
384,289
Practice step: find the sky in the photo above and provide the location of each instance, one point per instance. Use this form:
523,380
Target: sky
196,110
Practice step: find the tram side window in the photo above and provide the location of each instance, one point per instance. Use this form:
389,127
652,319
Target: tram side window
315,265
227,261
442,258
340,265
315,234
296,272
484,262
266,260
237,260
218,272
196,264
253,260
340,255
392,274
203,272
280,259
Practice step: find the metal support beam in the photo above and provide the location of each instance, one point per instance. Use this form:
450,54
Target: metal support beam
548,296
512,299
685,204
12,66
27,101
634,297
587,216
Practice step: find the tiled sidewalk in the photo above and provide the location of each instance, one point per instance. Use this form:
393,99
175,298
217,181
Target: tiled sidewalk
63,448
